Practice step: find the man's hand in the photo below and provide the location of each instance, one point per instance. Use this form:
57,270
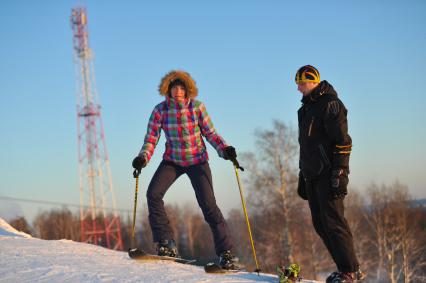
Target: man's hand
339,183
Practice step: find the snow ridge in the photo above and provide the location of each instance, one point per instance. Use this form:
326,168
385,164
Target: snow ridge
27,259
9,231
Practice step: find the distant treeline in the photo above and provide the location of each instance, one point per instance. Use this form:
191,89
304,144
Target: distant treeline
389,231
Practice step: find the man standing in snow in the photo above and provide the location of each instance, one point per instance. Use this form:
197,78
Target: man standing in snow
325,146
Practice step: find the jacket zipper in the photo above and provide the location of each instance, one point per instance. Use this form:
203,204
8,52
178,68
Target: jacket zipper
310,126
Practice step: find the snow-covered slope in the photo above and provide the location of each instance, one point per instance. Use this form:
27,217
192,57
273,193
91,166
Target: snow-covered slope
27,259
7,230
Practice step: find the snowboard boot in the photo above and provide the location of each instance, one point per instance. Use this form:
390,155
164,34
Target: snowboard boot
167,248
228,261
344,277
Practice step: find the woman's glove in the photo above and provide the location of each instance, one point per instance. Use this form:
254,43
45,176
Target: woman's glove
139,162
229,153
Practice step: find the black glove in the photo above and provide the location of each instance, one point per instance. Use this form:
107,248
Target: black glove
339,183
139,162
229,153
301,187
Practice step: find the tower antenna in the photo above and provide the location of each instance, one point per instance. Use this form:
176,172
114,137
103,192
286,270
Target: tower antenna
99,226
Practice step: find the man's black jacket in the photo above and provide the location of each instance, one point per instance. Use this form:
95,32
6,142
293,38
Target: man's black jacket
323,132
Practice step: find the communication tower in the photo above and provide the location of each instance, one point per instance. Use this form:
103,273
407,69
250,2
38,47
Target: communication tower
100,222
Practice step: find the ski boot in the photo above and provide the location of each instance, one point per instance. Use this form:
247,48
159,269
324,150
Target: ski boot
228,261
167,248
345,277
289,274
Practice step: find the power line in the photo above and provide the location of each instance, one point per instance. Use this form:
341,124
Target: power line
58,203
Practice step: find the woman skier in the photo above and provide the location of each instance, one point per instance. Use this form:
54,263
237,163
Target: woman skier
184,121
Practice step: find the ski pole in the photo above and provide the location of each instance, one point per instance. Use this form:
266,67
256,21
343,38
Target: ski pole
136,175
236,167
135,252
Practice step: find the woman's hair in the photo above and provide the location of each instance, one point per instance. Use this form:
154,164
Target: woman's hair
177,77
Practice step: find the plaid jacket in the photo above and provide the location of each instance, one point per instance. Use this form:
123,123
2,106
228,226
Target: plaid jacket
183,124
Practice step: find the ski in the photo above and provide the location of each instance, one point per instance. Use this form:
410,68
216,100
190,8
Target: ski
212,267
140,255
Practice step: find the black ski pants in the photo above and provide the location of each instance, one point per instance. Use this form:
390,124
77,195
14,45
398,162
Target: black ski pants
201,180
330,223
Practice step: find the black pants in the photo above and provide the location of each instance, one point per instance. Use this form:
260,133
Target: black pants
330,224
201,180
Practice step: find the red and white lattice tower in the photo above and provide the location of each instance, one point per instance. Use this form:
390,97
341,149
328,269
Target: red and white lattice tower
100,222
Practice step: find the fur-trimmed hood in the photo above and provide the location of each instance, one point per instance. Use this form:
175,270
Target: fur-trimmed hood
191,87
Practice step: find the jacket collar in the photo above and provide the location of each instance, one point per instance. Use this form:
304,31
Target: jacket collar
323,88
171,102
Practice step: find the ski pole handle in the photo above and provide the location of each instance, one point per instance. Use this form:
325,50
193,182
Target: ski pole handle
236,164
136,173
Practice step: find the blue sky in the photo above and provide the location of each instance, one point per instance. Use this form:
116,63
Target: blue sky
243,55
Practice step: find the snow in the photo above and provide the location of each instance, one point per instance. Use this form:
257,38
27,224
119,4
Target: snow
27,259
7,230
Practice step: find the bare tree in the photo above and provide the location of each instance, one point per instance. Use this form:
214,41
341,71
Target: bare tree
308,249
272,170
398,239
414,245
145,237
57,224
126,233
199,240
21,224
174,214
191,223
355,209
411,237
237,226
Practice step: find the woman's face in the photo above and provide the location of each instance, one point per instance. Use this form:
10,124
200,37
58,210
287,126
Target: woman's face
178,92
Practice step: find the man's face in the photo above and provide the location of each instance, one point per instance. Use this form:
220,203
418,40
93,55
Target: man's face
306,88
